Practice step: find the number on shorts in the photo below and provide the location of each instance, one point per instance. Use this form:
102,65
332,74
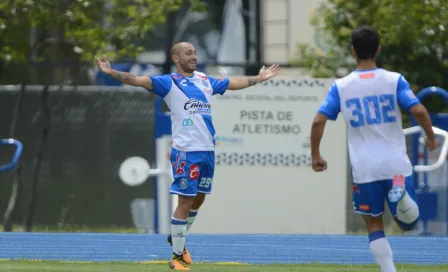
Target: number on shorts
205,182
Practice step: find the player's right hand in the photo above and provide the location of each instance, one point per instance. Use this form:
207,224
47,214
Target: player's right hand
431,143
318,164
104,66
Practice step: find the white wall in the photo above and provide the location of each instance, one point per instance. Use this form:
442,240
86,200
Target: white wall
284,23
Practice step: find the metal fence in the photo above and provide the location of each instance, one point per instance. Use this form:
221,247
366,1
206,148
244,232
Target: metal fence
92,130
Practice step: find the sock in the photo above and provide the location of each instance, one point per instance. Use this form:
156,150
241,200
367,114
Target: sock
407,210
178,233
191,218
381,250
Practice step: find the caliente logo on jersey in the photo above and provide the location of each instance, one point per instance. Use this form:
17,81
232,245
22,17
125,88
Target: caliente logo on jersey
195,106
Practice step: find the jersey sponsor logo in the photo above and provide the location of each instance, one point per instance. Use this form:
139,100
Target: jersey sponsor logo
207,91
179,164
188,124
195,106
194,172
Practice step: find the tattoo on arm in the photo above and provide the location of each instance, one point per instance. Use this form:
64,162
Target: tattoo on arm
124,77
253,81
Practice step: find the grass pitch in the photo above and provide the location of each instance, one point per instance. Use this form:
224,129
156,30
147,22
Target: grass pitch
45,266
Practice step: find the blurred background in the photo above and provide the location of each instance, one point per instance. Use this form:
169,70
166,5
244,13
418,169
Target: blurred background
77,125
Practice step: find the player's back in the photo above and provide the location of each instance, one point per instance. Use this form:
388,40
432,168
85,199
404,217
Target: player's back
370,102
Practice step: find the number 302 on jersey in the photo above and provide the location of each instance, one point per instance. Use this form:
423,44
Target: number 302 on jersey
372,110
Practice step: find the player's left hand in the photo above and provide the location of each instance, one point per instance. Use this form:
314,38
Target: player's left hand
268,73
318,164
431,143
104,66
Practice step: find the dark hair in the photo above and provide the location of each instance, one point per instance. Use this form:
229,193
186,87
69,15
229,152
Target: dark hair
174,50
365,41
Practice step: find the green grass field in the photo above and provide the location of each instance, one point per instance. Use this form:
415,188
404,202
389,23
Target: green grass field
43,266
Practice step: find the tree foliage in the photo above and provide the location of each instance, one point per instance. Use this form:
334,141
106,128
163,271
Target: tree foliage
81,28
414,38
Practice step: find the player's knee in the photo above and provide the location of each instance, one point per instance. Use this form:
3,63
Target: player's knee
200,197
184,203
198,201
374,224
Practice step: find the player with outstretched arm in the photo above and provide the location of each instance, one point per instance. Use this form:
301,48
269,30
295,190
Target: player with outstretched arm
369,100
188,94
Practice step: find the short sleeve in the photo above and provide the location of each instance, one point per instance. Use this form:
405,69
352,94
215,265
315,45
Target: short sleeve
405,96
331,106
219,85
161,84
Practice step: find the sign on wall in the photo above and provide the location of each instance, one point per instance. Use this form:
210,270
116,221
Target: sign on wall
251,124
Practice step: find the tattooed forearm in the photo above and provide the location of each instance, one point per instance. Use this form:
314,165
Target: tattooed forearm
253,81
124,77
239,83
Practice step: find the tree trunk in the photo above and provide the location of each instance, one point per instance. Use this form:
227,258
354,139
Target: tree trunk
13,199
15,192
37,163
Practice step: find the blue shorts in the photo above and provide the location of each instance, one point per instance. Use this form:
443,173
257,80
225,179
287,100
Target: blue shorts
368,198
192,171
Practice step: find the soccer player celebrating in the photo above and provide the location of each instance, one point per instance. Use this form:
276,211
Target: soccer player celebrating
370,99
188,95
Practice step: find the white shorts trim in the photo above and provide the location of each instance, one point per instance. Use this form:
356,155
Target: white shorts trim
205,193
182,194
371,214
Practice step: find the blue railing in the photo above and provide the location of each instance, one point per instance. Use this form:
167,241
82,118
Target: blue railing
427,197
16,156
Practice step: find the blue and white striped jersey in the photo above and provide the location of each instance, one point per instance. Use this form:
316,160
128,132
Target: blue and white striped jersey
189,100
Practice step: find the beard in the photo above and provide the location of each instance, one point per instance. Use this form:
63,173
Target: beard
187,67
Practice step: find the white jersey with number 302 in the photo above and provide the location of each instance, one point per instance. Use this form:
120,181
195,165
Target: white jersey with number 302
370,101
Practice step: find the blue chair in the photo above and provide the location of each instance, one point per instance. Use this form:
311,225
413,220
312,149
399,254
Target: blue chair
15,158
